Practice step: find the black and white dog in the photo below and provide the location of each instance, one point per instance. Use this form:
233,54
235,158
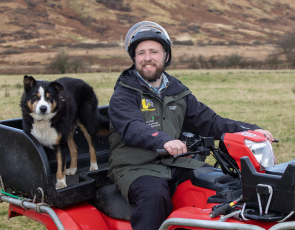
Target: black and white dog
52,110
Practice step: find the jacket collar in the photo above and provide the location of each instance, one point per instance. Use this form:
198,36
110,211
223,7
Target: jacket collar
128,77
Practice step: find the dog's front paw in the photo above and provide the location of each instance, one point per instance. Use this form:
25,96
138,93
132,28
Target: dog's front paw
93,166
71,171
60,183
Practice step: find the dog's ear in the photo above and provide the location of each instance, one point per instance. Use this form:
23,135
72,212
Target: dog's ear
29,81
58,86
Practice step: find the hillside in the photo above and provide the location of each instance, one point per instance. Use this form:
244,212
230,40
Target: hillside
43,27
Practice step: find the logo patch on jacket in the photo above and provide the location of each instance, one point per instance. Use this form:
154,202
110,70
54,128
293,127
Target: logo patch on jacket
172,107
147,105
153,124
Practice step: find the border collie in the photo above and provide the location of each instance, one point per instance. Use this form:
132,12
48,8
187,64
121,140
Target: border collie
52,110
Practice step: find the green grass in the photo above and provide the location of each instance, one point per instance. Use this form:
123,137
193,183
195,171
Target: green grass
265,98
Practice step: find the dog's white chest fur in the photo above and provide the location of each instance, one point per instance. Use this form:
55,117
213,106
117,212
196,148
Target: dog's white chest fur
44,133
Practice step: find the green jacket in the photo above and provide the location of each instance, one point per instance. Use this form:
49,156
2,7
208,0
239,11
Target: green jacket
142,122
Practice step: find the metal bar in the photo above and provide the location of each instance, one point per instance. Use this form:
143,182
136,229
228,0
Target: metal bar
207,224
285,225
224,218
29,205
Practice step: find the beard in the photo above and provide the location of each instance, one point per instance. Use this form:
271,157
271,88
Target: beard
150,75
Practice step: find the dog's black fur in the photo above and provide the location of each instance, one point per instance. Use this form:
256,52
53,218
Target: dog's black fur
52,110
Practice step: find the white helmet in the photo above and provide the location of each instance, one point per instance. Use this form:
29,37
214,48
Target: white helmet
147,31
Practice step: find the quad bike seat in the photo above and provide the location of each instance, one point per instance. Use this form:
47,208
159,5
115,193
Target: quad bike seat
110,201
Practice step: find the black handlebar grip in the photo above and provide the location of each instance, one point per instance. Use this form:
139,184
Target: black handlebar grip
161,153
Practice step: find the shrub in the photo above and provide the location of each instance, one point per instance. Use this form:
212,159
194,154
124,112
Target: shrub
218,43
115,5
233,43
272,60
193,63
57,45
213,62
76,63
202,61
11,51
185,43
102,29
291,58
60,63
93,45
233,60
257,42
286,43
194,28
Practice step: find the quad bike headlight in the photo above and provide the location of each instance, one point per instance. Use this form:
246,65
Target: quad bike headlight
263,152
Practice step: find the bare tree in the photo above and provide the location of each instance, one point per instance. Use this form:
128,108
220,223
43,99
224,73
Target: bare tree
272,60
76,63
291,58
287,43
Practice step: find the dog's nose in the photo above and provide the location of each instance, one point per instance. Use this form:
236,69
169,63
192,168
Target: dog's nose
43,108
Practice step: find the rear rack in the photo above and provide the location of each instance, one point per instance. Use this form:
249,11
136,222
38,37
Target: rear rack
29,205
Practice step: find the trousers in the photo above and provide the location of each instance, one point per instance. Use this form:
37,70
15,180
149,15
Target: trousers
152,199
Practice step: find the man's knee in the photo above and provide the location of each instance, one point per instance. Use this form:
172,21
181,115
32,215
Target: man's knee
149,188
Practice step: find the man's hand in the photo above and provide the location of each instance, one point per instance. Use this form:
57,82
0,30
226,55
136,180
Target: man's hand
267,134
175,147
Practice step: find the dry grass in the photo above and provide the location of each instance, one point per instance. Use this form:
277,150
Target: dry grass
266,98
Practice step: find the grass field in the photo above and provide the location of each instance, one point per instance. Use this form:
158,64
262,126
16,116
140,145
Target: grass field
265,98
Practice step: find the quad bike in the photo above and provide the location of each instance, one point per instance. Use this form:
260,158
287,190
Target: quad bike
245,189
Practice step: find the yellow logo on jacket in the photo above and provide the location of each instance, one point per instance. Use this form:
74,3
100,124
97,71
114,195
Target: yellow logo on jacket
147,105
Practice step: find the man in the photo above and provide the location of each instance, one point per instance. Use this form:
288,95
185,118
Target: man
148,111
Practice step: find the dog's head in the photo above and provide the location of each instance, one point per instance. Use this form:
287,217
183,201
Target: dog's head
41,98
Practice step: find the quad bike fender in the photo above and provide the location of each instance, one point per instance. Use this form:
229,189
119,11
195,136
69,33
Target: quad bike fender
78,217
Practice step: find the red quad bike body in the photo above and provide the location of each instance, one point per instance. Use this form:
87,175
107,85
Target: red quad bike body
94,203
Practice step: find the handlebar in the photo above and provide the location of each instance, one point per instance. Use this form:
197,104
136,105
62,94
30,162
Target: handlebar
164,153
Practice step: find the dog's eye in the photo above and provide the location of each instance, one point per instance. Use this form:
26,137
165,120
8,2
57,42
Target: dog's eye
49,97
34,97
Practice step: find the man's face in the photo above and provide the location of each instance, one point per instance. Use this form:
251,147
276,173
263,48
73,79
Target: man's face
149,59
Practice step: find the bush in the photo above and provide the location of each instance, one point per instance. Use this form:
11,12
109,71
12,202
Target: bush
57,45
257,42
272,60
93,45
233,43
286,43
185,43
60,63
291,58
193,63
218,43
115,5
233,60
201,44
213,62
194,28
203,62
76,63
102,29
11,51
